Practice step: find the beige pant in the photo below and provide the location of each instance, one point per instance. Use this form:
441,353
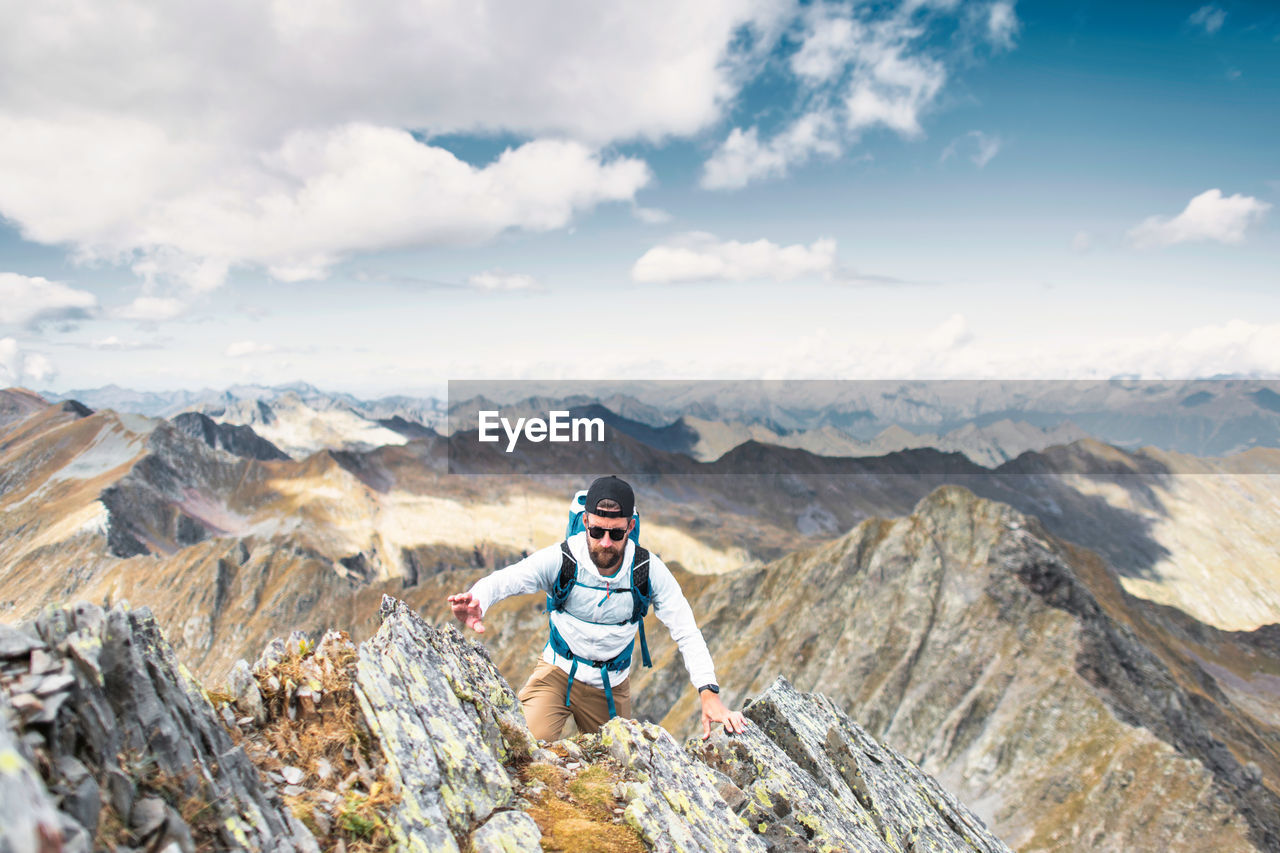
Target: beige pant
542,698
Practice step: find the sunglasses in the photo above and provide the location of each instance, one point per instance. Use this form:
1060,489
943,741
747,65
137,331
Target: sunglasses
617,534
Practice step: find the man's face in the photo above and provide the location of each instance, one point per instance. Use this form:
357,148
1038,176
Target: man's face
605,553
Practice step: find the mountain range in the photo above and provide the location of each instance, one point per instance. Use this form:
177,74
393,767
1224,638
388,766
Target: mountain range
990,421
1078,641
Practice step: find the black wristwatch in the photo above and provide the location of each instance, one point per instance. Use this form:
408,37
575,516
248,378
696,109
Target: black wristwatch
714,688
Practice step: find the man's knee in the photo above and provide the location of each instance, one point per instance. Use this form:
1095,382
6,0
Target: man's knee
544,723
542,700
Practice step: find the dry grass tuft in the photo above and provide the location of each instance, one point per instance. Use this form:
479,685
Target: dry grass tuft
593,787
189,793
575,810
112,832
314,724
517,741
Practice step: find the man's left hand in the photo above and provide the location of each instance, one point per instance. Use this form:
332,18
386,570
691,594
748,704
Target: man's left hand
714,711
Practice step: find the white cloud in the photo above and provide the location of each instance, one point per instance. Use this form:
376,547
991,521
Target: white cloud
895,92
23,368
152,309
590,71
112,343
317,197
981,148
830,43
1082,242
860,69
699,257
1208,216
30,301
1210,17
945,349
651,215
741,158
1002,24
952,334
496,280
950,351
240,349
186,139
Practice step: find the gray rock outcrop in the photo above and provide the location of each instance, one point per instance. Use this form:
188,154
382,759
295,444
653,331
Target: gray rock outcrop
236,439
127,745
110,744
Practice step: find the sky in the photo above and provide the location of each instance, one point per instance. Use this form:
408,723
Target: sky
378,197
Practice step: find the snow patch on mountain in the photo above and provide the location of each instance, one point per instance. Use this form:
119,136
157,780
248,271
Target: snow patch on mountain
300,429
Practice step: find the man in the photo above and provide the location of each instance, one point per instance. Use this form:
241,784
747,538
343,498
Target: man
584,668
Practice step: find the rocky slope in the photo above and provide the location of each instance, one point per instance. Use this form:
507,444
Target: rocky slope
1009,664
105,742
238,440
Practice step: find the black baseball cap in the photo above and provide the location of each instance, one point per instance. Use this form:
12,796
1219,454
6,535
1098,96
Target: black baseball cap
611,489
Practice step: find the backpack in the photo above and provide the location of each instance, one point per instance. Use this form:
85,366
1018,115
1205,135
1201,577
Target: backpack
568,578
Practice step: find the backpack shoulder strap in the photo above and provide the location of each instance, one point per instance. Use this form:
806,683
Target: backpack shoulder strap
640,583
642,595
564,580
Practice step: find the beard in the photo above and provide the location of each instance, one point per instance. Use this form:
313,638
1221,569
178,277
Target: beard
605,557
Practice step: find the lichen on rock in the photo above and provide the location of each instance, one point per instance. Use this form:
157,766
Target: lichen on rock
674,803
436,756
907,806
135,753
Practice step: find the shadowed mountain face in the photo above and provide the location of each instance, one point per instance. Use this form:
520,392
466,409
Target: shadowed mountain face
235,439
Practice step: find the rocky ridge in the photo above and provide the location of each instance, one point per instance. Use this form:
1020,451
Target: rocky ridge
108,743
1007,663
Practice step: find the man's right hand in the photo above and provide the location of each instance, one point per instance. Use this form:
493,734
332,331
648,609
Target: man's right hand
466,609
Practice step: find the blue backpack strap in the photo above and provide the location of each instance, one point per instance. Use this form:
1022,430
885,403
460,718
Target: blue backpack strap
617,664
642,595
608,691
564,581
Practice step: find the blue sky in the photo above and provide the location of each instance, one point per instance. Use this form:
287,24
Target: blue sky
379,197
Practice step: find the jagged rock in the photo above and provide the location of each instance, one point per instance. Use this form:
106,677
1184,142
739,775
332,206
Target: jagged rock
137,728
433,700
148,816
54,684
907,807
272,653
237,439
28,819
81,794
245,693
804,777
139,745
42,661
783,803
674,805
15,643
507,832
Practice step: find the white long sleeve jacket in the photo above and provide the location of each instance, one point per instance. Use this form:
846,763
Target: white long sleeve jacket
538,572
